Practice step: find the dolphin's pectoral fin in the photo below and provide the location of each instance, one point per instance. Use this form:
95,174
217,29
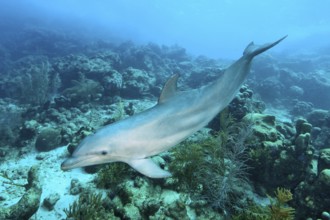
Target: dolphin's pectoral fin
169,89
148,168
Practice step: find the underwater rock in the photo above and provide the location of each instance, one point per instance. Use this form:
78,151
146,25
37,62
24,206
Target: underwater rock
303,65
301,108
150,206
29,129
286,129
296,91
275,149
144,199
10,121
139,57
240,106
3,153
48,139
95,67
325,158
322,139
62,102
302,142
112,84
128,193
311,197
273,144
282,83
324,177
75,187
243,104
175,52
265,67
304,150
325,215
303,137
305,198
50,201
318,117
289,77
41,156
29,203
84,91
101,63
316,85
137,83
202,75
55,115
270,89
131,212
303,127
3,197
312,170
264,126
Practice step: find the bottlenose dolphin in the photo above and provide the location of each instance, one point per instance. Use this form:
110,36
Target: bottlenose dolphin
177,115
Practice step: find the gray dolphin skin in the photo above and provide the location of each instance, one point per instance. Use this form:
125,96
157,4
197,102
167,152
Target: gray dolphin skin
177,115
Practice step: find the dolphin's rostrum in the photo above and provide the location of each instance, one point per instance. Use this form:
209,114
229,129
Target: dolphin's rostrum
177,115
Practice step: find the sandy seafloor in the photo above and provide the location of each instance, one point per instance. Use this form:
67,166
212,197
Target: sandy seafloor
282,115
51,177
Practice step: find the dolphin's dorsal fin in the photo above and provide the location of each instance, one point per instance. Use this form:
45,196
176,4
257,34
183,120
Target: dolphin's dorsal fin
169,89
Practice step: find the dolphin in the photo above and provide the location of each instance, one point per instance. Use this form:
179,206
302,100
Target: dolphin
177,115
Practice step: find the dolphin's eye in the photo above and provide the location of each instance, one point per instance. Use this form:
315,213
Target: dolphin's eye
104,152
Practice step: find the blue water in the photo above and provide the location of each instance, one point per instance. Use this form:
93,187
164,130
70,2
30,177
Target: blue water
215,28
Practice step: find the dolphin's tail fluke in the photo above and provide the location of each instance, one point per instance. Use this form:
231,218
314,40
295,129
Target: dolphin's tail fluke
253,50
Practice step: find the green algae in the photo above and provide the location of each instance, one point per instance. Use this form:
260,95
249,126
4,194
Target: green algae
214,169
113,174
89,206
277,210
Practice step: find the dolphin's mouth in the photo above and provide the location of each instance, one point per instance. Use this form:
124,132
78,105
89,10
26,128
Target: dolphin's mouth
75,162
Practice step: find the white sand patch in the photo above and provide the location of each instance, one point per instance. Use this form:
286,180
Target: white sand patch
52,179
281,115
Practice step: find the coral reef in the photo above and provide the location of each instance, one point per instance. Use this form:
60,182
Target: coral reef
75,87
287,158
278,155
285,82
